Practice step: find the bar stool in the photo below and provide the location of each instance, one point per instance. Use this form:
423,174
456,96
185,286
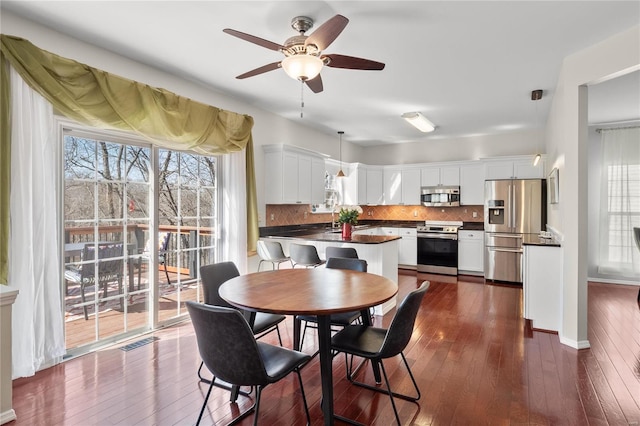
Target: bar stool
305,255
271,251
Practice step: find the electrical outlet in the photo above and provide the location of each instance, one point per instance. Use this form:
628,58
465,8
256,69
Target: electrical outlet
415,213
273,217
305,214
475,214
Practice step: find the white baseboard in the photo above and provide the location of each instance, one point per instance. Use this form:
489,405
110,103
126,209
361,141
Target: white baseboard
7,416
575,344
613,281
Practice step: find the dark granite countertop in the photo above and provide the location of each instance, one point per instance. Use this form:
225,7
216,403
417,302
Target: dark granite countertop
337,236
472,226
536,240
315,228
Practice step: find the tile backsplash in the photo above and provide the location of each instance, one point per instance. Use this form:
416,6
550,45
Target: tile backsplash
295,214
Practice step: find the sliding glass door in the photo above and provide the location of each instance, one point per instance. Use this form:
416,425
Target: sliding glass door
138,223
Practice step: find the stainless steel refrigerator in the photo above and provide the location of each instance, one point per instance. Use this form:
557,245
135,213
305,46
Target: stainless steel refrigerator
513,208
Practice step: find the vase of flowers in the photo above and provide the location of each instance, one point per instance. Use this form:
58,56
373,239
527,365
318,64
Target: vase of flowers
347,217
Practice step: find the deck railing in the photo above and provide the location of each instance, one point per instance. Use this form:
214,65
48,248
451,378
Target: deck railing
193,243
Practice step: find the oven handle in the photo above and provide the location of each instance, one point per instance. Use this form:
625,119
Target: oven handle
437,236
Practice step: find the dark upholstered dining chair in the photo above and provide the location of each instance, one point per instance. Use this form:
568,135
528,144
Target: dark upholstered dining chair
342,319
213,276
305,255
229,350
341,252
377,344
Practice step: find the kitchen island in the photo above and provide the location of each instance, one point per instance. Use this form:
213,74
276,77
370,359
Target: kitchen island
380,252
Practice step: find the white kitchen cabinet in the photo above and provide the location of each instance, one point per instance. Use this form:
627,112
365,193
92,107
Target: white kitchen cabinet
318,171
392,184
293,175
471,252
408,247
411,186
520,167
440,176
472,184
374,185
542,286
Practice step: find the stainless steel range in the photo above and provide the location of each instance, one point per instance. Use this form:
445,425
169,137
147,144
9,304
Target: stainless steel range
438,247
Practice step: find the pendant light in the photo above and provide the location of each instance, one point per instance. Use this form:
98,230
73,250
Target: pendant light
340,172
536,95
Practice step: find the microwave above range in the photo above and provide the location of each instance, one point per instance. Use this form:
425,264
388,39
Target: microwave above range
440,196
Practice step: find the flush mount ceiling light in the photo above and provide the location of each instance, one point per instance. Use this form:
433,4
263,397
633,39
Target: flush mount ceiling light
419,121
536,159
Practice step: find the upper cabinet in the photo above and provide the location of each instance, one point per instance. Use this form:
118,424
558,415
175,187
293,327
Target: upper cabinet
392,184
374,185
520,167
410,186
293,175
440,175
472,183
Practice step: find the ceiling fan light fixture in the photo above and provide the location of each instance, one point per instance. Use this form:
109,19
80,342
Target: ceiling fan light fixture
302,67
419,121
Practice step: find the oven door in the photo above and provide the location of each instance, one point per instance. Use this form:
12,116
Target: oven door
437,253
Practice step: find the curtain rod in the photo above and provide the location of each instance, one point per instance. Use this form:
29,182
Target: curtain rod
618,128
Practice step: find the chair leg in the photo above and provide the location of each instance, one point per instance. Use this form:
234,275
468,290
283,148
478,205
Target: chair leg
304,398
351,374
166,272
204,404
260,264
83,299
231,388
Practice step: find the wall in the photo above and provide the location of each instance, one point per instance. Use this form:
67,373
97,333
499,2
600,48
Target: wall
468,148
295,214
567,148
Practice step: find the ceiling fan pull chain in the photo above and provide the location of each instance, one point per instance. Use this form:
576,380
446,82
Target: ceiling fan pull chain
301,98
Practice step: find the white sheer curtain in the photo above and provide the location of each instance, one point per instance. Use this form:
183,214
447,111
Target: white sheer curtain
620,202
234,210
34,266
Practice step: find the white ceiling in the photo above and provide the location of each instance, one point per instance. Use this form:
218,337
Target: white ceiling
468,66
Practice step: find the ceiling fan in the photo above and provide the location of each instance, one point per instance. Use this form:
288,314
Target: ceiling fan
303,54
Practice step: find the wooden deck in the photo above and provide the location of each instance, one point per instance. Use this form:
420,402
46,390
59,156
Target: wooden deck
79,331
475,361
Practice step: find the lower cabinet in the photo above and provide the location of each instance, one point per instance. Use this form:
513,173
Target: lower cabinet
471,252
407,246
408,251
542,286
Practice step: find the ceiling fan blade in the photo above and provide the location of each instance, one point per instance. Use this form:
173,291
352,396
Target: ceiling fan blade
262,69
353,63
327,32
315,84
255,40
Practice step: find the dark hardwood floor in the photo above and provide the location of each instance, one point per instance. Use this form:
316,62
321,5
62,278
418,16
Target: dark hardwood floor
475,360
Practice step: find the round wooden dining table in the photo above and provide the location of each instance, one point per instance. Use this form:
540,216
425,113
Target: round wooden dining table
317,291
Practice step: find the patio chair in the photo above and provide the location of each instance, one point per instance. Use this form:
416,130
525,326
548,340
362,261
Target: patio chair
109,269
163,247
